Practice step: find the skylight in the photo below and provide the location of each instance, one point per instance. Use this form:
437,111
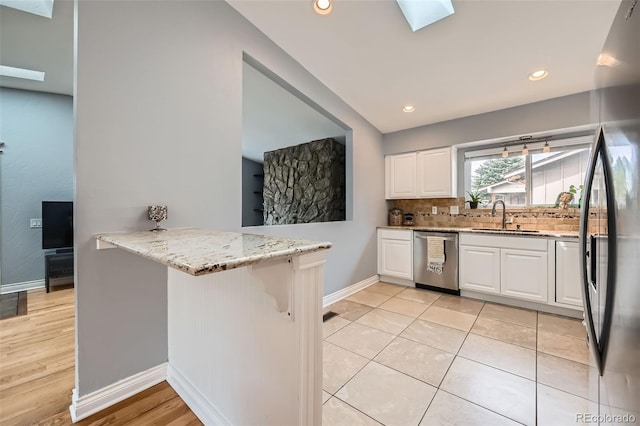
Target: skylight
420,13
6,71
37,7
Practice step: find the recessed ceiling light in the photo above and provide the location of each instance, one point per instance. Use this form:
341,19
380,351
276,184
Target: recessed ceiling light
21,73
408,108
323,7
37,7
538,75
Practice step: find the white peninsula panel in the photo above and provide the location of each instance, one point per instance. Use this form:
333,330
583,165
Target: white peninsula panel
244,323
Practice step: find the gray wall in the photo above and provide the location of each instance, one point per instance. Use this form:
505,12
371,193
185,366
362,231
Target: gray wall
558,113
273,117
159,120
37,165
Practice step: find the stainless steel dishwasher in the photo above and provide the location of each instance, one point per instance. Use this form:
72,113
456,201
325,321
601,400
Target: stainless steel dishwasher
447,281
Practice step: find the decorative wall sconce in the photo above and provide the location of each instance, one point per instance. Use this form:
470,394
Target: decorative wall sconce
157,213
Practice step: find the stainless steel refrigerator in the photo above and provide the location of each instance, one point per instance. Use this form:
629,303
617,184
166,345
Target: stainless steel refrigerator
610,229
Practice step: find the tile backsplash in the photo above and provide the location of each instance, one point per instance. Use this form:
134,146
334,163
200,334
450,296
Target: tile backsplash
546,218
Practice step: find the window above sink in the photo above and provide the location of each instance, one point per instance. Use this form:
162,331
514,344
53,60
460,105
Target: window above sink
532,180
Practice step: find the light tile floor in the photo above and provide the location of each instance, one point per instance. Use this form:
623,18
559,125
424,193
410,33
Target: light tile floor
401,356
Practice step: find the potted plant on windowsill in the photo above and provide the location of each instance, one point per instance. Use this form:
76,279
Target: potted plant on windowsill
475,198
574,190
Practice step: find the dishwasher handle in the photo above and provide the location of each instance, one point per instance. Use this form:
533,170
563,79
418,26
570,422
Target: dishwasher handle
444,238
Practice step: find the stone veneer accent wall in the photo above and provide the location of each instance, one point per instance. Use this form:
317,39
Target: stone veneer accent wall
548,219
305,183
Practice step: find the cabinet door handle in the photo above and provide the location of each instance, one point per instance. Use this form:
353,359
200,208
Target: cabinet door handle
420,237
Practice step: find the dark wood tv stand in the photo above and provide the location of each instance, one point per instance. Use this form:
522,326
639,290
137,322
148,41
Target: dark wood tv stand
57,266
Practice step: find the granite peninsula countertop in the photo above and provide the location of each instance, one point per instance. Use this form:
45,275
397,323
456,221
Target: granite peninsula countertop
539,233
200,252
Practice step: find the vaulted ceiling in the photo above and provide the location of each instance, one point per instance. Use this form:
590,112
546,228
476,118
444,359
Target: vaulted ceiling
38,43
474,61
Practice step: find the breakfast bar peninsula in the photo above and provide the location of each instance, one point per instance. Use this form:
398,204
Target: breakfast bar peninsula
244,322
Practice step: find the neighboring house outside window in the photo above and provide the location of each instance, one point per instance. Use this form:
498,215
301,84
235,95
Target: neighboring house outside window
552,173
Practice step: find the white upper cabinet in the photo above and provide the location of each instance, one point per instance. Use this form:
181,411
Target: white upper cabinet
400,175
422,174
436,173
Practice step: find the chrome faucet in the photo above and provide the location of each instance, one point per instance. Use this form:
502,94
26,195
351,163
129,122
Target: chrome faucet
504,212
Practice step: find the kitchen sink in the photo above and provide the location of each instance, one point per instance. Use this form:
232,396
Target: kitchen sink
527,231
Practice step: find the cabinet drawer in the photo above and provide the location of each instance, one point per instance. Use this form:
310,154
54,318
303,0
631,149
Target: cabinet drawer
396,234
506,241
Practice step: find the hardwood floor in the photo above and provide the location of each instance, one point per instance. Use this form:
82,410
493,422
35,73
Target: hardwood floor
37,356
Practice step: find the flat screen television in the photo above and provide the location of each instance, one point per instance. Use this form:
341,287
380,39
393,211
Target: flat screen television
57,225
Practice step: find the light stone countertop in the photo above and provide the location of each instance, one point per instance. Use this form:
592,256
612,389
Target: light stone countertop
541,233
200,252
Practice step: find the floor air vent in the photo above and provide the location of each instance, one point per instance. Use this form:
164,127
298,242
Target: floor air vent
328,316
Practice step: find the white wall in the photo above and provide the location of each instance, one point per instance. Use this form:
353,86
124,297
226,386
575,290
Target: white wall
159,120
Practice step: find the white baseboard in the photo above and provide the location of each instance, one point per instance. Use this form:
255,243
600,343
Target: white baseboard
203,409
25,285
348,291
399,281
84,406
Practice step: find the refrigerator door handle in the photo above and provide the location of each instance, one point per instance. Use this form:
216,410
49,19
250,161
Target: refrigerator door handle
599,345
588,257
592,253
612,255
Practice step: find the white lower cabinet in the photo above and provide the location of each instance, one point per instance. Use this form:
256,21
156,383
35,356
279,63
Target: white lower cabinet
480,269
395,253
523,274
568,278
503,265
